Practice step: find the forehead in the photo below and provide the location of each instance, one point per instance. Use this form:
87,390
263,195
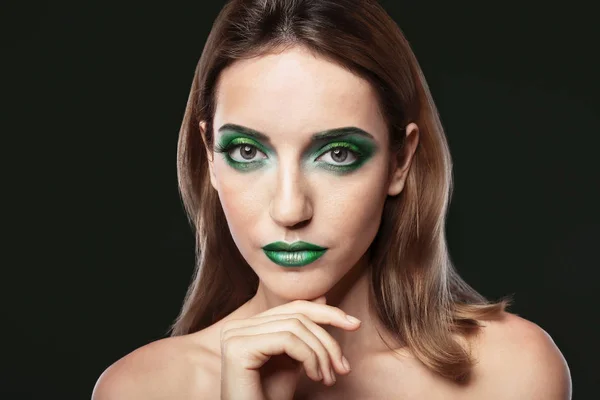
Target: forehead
295,92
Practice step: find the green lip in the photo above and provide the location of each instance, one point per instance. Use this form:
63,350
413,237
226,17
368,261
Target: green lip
295,254
296,246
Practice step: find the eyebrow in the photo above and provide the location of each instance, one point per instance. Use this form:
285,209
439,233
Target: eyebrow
318,136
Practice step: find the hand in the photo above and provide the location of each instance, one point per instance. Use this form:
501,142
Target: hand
289,338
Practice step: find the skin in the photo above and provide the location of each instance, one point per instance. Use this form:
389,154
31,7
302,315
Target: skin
290,195
296,188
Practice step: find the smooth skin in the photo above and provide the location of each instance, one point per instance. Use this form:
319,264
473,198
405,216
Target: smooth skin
297,191
292,330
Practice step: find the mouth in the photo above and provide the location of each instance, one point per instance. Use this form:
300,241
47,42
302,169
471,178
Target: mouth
295,254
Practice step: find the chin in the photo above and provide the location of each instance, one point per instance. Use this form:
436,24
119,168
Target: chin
295,285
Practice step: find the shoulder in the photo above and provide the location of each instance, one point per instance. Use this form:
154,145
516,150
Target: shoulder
176,367
517,359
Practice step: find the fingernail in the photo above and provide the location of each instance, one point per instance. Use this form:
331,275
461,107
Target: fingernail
352,319
346,363
333,375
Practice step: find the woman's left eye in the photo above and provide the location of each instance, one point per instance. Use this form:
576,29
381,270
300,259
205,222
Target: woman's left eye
246,152
338,155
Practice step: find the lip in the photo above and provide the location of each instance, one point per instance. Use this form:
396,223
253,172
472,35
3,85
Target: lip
296,246
295,254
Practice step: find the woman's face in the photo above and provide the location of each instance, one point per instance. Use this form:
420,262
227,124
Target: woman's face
278,183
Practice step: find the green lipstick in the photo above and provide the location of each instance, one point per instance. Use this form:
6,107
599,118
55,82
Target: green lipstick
295,254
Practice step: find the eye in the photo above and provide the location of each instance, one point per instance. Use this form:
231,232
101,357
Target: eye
339,156
245,153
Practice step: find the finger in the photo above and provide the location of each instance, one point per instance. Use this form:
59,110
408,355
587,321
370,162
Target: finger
331,345
300,329
260,348
319,313
320,300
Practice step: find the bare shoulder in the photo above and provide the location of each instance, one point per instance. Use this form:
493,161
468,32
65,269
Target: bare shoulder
170,368
517,359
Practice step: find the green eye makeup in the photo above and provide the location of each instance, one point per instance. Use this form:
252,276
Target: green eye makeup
342,154
241,152
346,153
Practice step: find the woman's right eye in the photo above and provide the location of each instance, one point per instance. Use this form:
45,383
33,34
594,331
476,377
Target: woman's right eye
244,153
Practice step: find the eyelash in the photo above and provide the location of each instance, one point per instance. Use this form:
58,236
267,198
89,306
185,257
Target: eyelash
328,148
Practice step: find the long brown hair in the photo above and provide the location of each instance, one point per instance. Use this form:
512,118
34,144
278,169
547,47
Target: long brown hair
416,290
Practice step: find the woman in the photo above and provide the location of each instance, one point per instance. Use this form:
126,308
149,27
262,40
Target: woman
314,167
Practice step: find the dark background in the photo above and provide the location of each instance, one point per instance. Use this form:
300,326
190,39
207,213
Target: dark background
100,253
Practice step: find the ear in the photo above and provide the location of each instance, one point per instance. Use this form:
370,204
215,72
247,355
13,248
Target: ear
401,163
209,155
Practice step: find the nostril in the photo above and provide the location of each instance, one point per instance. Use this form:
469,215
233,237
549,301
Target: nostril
301,224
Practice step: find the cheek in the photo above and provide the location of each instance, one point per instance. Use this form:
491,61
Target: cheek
352,211
241,201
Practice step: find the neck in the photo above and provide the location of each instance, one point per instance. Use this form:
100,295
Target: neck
352,295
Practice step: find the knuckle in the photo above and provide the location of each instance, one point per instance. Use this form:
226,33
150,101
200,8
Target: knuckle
300,317
295,323
226,327
230,345
225,335
288,335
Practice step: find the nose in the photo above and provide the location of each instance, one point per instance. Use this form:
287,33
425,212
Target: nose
290,205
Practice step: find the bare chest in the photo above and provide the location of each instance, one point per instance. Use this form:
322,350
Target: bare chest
383,379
